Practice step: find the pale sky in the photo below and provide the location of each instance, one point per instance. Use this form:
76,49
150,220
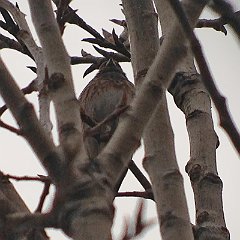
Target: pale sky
223,56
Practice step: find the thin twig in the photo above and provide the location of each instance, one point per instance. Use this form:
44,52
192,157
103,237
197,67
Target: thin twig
40,178
95,130
140,176
92,59
219,101
3,109
77,20
44,194
10,128
229,16
146,195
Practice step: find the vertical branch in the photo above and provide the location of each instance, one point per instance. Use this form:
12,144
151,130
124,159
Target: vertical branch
25,35
219,101
193,99
160,161
84,199
159,75
59,82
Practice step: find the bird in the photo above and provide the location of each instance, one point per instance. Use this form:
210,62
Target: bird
108,91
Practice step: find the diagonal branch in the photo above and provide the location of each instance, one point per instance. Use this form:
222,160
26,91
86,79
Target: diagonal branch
24,32
159,76
24,36
226,10
27,120
44,194
219,101
10,128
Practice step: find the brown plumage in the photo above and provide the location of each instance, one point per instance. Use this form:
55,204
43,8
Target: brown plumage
107,91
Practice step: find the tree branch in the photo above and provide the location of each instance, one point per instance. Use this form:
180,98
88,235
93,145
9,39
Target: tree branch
25,38
12,203
27,120
44,194
228,16
10,128
58,77
146,195
219,101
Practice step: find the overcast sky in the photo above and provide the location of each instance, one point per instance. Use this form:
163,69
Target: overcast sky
223,56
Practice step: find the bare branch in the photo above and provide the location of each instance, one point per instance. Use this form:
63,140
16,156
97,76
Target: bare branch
10,128
27,120
40,178
228,16
106,44
219,101
25,38
59,82
44,194
77,20
21,31
146,195
6,42
140,176
217,24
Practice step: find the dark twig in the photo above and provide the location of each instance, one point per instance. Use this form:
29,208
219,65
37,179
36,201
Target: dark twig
40,178
140,176
95,130
219,101
228,15
92,59
88,120
3,109
146,195
61,17
84,60
106,44
93,67
217,24
6,42
116,56
10,26
10,128
97,61
75,19
101,41
44,194
61,8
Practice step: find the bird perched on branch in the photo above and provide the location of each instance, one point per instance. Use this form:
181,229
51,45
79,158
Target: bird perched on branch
101,103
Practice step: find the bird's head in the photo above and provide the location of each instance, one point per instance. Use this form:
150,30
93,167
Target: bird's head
110,66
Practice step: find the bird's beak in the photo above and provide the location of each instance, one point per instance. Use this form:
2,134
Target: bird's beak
110,63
